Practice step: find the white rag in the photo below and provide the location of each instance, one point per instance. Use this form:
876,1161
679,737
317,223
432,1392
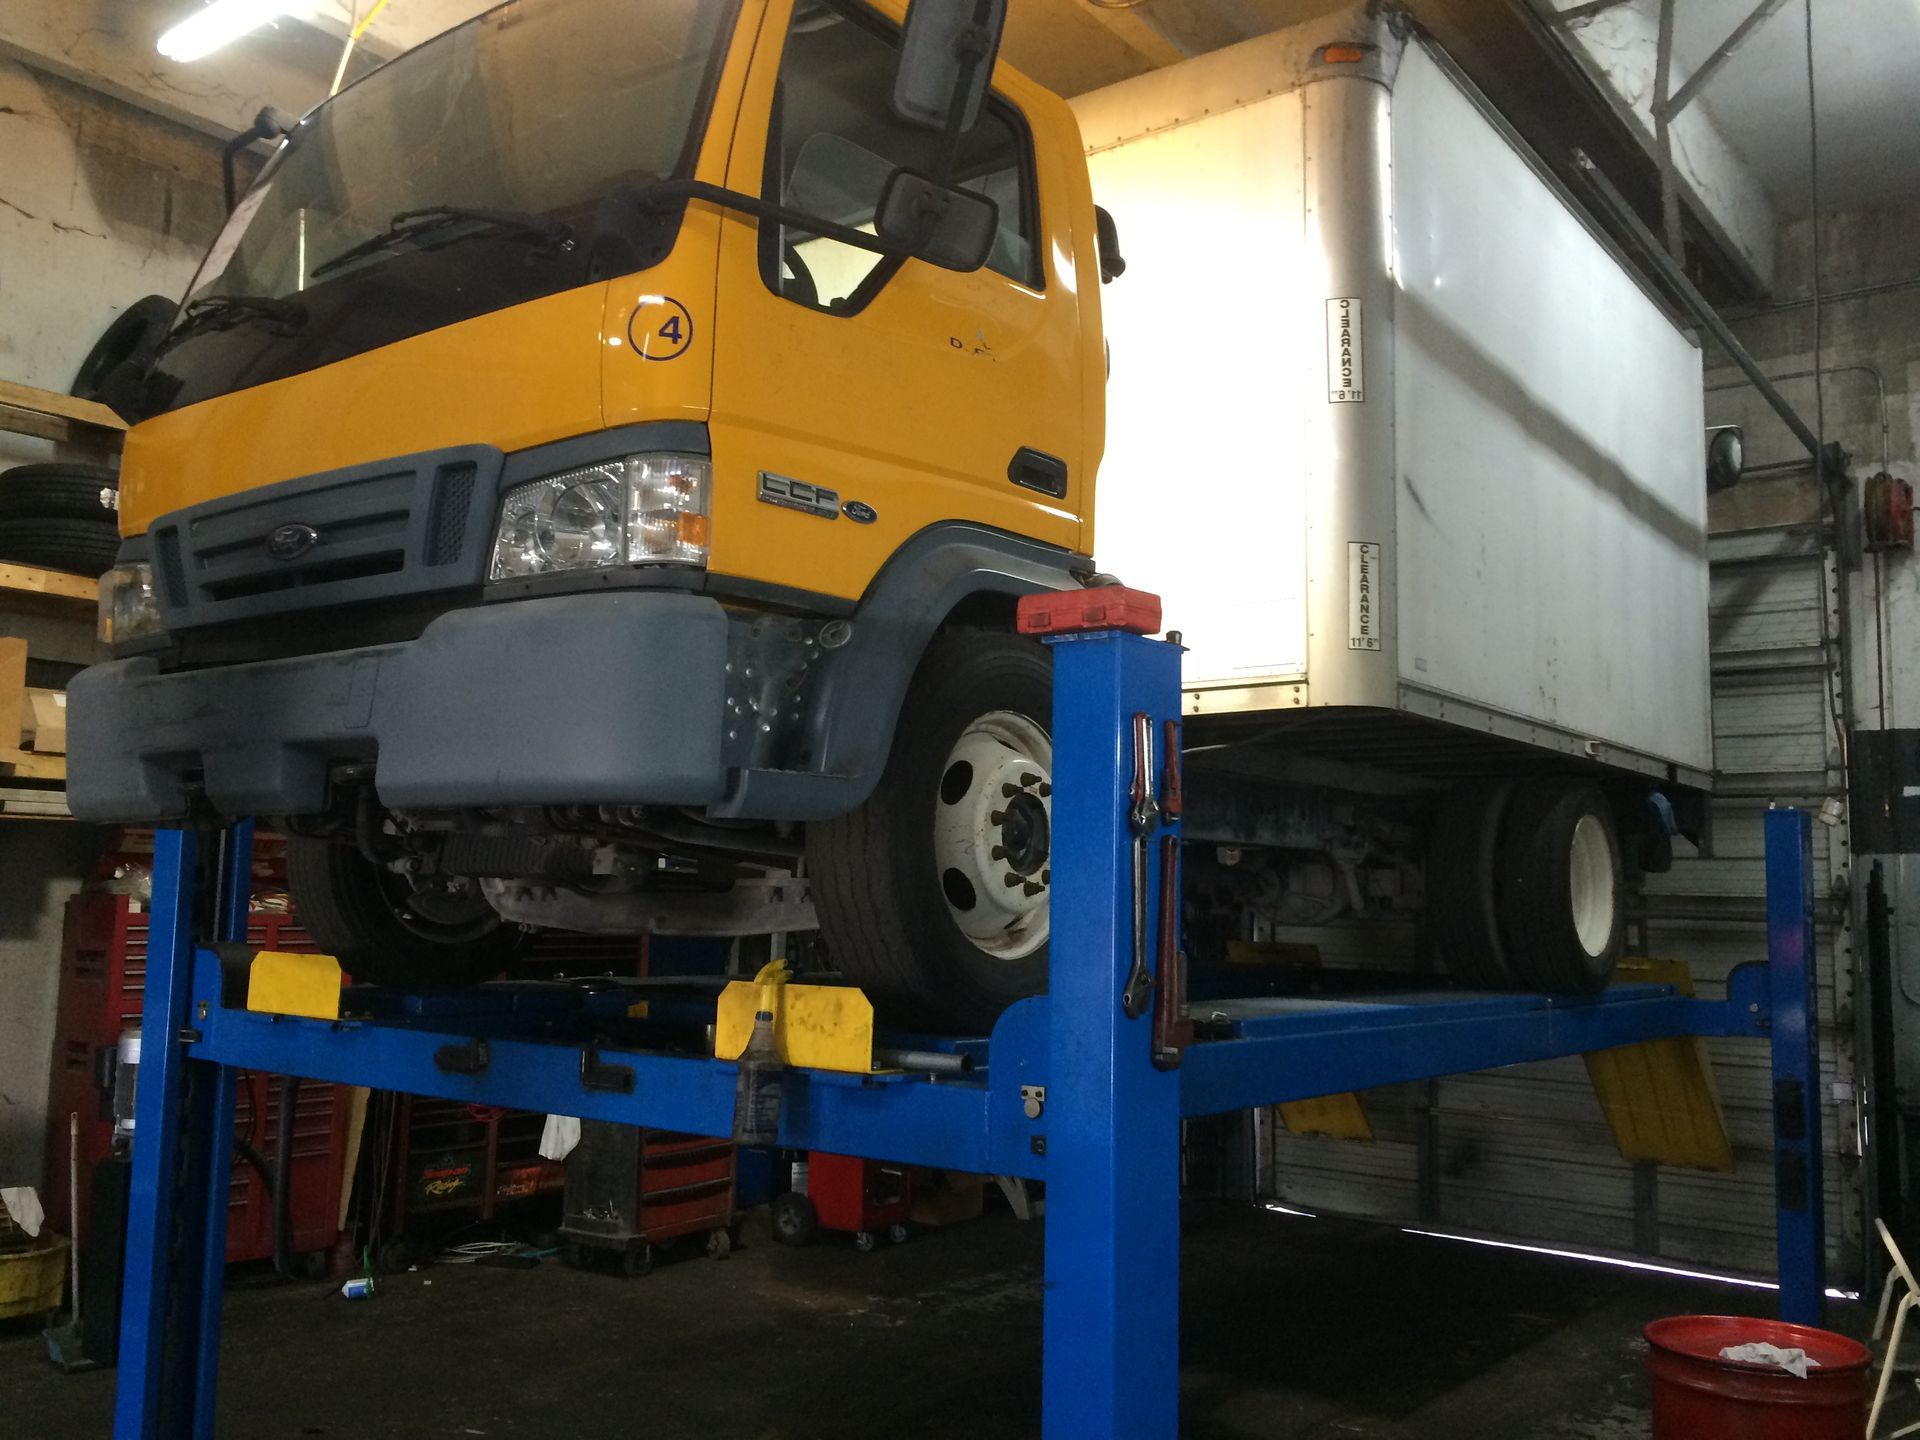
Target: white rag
23,1204
558,1136
1793,1360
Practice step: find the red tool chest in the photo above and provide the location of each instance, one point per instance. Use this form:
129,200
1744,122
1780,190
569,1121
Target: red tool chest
103,971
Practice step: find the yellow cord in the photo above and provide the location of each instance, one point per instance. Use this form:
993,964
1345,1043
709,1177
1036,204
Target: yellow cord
353,39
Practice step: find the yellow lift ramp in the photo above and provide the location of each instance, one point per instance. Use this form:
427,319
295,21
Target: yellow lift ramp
1659,1096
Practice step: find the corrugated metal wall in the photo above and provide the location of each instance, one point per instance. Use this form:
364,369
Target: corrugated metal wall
1525,1152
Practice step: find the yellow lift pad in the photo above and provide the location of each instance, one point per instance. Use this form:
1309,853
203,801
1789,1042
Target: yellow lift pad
1658,1096
1341,1116
817,1027
281,983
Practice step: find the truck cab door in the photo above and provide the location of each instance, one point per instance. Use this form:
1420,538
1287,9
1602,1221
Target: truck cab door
858,398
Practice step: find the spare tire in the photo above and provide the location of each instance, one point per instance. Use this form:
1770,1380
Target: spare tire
82,547
114,367
61,492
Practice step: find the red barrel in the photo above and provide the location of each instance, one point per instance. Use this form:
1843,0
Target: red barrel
1699,1396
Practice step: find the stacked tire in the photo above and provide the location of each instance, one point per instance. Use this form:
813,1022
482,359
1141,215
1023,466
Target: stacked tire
60,517
1524,886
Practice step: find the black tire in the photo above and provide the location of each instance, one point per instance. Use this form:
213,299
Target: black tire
1545,949
352,909
61,492
794,1220
80,547
883,912
1463,900
115,368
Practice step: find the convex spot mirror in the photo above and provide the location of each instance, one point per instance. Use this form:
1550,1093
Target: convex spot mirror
946,61
939,224
1725,457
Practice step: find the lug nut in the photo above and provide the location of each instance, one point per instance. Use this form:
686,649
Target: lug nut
1033,889
1026,780
1046,876
998,817
1011,880
1045,790
1009,790
999,852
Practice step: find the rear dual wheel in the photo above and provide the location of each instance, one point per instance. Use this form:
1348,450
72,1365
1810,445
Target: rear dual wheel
1524,886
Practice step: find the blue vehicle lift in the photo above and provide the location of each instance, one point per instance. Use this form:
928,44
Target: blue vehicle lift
1079,1088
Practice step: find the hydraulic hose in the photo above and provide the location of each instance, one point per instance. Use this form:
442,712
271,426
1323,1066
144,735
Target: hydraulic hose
282,1175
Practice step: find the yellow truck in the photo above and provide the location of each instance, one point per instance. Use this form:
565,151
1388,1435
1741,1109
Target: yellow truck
590,480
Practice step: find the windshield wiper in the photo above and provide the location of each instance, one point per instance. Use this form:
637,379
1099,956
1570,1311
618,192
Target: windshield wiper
412,224
223,312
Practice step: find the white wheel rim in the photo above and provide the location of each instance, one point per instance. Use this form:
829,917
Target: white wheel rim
1591,884
992,828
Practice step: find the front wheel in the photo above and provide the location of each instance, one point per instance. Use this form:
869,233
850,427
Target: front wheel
387,930
935,895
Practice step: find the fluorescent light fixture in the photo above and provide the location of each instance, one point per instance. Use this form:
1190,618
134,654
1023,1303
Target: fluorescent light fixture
217,23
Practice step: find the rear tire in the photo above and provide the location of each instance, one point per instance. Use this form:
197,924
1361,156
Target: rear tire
1561,879
384,932
1463,895
912,888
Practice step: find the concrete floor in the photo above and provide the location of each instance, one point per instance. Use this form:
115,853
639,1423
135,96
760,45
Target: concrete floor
1293,1327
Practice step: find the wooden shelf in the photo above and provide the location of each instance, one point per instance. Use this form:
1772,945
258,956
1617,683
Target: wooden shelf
48,415
49,585
25,765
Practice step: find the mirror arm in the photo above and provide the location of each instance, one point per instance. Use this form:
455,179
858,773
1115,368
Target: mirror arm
269,124
670,190
949,158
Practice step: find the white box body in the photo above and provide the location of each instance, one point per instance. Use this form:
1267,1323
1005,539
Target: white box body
1388,424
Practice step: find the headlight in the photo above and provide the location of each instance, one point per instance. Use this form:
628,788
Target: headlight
641,510
129,610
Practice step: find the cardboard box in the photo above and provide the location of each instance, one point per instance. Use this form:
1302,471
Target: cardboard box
13,691
45,721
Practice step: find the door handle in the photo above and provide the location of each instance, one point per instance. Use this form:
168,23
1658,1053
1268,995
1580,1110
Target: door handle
1037,470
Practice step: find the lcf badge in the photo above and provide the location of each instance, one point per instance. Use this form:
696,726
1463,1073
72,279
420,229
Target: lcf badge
661,328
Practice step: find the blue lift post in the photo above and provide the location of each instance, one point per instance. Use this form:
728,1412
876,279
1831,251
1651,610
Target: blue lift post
1064,1091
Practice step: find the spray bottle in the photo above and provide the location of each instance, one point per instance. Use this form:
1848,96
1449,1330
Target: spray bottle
756,1094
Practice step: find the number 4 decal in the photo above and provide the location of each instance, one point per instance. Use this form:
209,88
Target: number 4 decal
661,328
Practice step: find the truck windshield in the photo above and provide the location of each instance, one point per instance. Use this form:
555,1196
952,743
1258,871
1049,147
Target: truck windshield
479,170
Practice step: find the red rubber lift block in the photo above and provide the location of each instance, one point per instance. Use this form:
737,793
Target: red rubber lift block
1105,607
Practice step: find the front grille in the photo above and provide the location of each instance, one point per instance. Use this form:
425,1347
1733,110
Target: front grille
378,532
452,499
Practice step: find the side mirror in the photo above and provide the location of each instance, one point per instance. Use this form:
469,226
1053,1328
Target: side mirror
951,228
1106,237
946,61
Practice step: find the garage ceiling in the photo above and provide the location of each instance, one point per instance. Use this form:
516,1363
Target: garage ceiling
1867,55
1583,95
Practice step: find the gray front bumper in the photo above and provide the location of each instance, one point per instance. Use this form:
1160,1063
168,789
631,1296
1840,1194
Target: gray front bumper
603,698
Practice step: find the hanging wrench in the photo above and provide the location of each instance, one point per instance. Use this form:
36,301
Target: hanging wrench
1143,818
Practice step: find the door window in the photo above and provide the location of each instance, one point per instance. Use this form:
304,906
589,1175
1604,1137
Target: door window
835,141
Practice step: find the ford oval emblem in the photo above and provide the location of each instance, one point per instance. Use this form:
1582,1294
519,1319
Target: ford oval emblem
290,542
859,512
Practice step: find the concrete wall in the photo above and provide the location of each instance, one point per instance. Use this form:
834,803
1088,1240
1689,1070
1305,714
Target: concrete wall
1867,343
41,864
100,205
